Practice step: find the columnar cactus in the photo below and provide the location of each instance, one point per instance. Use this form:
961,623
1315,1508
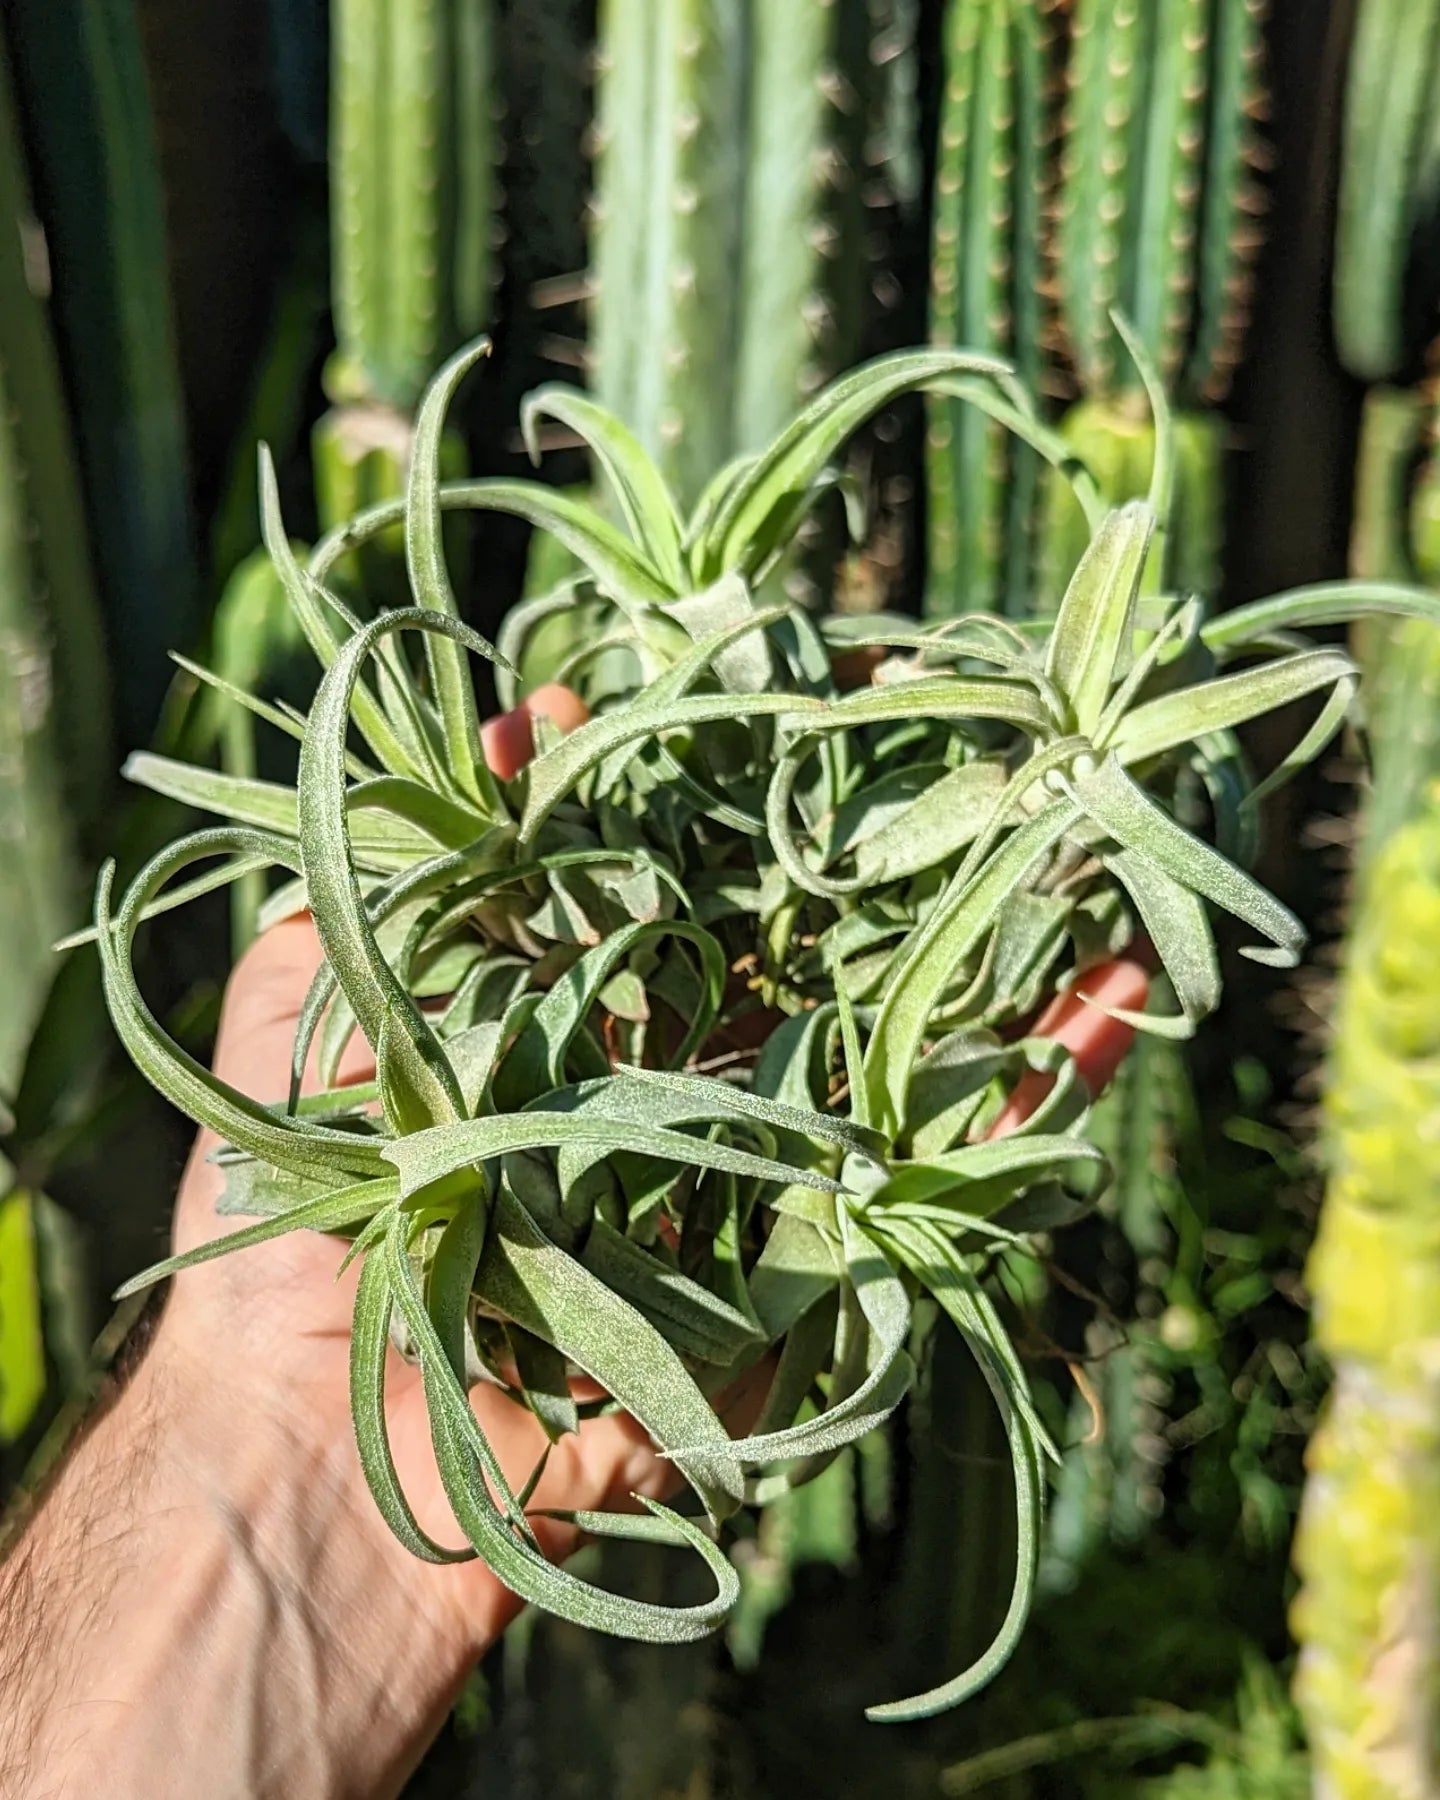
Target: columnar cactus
1156,221
1389,185
1368,1549
53,729
726,232
986,294
413,190
1157,196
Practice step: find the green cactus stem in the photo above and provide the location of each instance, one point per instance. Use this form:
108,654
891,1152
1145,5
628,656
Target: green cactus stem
413,190
1157,198
1368,1548
985,294
1386,181
94,163
726,218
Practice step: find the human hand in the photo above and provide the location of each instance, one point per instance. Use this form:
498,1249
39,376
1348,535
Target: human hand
287,1317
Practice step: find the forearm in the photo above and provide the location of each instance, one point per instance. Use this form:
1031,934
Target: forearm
196,1595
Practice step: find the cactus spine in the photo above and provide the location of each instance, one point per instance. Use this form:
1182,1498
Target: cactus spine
985,293
725,266
1368,1548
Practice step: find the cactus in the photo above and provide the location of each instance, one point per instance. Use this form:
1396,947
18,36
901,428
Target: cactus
413,190
985,294
1387,177
54,735
726,217
1156,219
1156,196
413,195
1368,1549
81,81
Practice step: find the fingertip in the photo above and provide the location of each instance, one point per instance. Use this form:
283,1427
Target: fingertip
509,741
561,705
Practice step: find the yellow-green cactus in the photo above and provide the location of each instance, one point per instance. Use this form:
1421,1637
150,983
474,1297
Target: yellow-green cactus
1368,1550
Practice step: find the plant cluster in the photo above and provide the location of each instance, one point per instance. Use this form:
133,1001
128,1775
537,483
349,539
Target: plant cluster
688,1039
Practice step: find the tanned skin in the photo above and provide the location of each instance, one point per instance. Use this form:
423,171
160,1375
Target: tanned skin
207,1601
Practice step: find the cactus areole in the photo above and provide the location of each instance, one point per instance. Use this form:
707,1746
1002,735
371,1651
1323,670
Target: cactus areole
569,1144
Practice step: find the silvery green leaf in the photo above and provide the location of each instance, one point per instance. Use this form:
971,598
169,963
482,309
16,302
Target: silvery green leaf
468,1470
1177,926
536,1062
1137,823
744,665
369,1353
1190,713
296,1145
645,500
1090,646
948,1088
417,1070
682,675
430,583
382,840
981,1178
939,1267
761,510
888,1371
544,1381
796,1268
552,776
1324,603
428,1156
334,1210
931,957
525,1277
694,1320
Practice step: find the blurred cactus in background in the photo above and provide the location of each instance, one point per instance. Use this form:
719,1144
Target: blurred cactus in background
91,139
55,746
728,259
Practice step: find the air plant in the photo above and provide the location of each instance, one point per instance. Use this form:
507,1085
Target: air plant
574,1156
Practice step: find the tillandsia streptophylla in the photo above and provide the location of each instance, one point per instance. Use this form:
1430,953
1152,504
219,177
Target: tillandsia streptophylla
569,1159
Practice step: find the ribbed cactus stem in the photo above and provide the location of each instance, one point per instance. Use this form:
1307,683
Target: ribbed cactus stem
1391,95
726,218
1368,1549
1233,201
985,294
1158,204
413,190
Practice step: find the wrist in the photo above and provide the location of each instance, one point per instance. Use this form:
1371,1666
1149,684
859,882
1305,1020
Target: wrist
272,1630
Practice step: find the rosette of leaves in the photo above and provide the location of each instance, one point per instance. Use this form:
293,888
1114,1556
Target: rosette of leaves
573,1155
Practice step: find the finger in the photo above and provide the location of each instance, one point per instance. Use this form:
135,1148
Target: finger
1096,1041
509,741
268,986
